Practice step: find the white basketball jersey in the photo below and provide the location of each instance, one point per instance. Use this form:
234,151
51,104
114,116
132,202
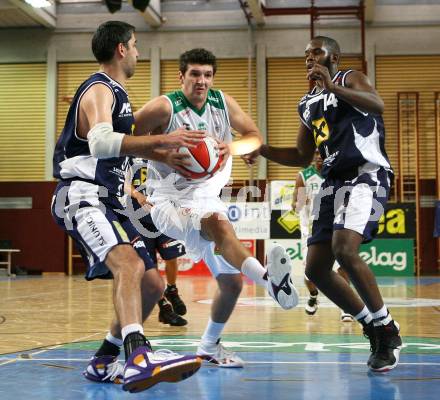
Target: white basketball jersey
212,118
312,182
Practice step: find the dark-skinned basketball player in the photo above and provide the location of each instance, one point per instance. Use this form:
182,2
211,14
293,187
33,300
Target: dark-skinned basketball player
341,116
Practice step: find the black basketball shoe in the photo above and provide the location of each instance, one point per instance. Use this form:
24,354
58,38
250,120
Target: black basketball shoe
371,336
168,316
388,345
172,295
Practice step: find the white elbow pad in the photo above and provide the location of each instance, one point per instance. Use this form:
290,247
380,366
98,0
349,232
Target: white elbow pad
103,142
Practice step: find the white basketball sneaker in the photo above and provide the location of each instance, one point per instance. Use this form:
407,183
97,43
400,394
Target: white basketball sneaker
279,280
220,356
346,317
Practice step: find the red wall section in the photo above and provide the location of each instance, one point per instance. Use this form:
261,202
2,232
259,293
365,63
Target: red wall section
33,231
428,250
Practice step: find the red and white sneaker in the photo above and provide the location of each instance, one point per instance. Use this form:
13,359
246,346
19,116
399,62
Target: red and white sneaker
220,356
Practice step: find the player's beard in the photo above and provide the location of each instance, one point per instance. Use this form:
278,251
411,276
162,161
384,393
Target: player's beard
130,71
326,62
129,68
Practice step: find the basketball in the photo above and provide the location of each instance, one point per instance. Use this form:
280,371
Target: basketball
205,158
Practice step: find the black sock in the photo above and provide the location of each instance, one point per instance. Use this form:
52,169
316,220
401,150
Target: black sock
107,349
133,341
314,293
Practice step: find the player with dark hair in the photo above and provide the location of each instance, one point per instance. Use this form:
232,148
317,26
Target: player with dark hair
191,210
342,117
90,162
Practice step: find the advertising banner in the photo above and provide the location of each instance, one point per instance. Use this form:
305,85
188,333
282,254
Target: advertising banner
389,257
284,225
281,194
187,267
385,257
398,221
250,220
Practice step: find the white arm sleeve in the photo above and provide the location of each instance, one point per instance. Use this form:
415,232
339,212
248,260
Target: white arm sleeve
103,142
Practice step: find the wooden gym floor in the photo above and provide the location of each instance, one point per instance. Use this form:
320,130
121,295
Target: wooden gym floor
51,325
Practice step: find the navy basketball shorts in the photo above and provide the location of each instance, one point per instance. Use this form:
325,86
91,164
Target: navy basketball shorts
355,204
96,224
156,241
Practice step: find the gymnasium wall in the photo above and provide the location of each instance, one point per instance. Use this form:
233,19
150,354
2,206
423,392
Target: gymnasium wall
58,50
32,229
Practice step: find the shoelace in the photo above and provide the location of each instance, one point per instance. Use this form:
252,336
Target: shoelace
224,354
164,354
115,369
371,336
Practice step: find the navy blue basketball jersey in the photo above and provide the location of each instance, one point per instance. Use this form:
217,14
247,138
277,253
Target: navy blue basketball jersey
346,137
72,159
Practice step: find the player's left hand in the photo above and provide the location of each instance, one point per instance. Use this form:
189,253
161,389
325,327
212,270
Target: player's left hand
321,74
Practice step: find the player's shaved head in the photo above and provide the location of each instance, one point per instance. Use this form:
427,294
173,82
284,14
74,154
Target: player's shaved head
331,44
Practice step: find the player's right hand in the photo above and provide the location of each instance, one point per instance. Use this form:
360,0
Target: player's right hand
142,200
182,138
251,158
177,161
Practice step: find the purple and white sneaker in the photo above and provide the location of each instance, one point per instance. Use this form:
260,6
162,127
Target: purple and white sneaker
105,369
144,368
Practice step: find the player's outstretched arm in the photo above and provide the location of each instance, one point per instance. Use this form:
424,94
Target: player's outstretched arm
95,124
149,147
299,156
251,137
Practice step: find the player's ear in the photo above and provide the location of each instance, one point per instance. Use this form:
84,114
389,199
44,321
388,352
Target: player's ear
335,58
181,77
120,49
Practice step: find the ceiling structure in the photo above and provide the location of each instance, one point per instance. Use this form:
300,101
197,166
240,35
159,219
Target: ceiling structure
181,15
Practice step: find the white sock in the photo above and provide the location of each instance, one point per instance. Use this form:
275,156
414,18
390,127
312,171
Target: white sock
212,332
127,329
381,317
252,268
364,315
114,340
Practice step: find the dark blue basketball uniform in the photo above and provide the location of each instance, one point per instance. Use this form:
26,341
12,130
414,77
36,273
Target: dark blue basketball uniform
86,200
155,241
356,168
